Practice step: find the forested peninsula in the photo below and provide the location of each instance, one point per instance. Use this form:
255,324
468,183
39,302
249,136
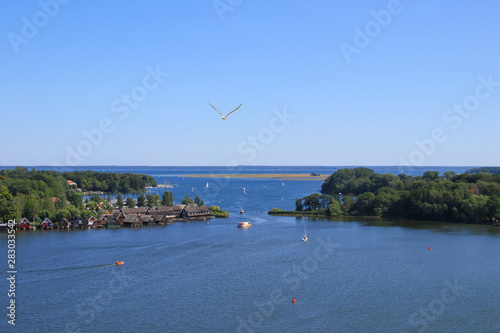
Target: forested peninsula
44,193
467,197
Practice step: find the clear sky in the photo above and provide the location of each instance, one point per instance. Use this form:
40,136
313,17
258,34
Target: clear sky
322,82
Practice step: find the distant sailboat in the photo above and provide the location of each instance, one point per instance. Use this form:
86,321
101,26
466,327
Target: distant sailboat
192,189
244,192
206,185
283,184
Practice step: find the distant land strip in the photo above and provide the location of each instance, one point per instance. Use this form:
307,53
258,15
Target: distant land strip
283,176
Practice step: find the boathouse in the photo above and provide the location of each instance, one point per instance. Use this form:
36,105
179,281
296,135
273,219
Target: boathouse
112,223
119,215
63,224
160,219
132,221
147,220
193,212
90,221
176,210
78,223
24,224
46,224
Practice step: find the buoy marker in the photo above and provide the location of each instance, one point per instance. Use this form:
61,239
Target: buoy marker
293,299
430,248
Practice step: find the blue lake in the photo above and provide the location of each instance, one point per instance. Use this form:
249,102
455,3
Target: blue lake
353,275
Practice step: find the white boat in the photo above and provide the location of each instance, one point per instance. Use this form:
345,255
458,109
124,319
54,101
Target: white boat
206,185
245,224
242,211
244,192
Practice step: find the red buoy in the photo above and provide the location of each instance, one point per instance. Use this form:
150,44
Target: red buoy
430,248
293,299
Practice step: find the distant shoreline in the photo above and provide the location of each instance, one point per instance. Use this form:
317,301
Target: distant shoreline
282,176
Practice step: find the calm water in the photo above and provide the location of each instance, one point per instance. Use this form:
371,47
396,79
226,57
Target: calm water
351,276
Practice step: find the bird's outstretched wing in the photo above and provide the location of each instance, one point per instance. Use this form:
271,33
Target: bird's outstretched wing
215,108
234,110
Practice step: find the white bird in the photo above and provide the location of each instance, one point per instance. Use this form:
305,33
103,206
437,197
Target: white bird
224,117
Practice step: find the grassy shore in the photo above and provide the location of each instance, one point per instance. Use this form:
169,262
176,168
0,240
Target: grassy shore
282,176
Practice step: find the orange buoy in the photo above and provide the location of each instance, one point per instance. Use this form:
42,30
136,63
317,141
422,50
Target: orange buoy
430,248
293,299
119,263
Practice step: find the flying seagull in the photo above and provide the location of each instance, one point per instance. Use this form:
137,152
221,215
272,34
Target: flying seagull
224,117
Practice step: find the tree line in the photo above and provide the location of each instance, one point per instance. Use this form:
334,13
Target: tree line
42,193
468,197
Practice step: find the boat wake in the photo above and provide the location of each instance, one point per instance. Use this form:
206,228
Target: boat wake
69,268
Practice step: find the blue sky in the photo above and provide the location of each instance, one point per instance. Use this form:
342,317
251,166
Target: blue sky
322,83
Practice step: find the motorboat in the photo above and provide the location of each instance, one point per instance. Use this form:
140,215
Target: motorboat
245,224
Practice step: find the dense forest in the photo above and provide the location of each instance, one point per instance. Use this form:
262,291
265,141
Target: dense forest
468,197
43,193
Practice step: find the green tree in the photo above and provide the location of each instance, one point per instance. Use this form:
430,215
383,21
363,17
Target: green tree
130,203
107,206
4,193
74,198
449,175
152,200
365,204
62,213
73,211
92,206
298,205
31,207
334,209
141,201
167,199
45,213
311,202
85,214
197,200
347,202
431,175
8,211
119,201
187,200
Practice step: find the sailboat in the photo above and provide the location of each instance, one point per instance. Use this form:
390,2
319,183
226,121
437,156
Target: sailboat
244,192
304,238
206,185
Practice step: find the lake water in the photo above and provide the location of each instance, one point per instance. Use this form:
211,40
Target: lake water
353,275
